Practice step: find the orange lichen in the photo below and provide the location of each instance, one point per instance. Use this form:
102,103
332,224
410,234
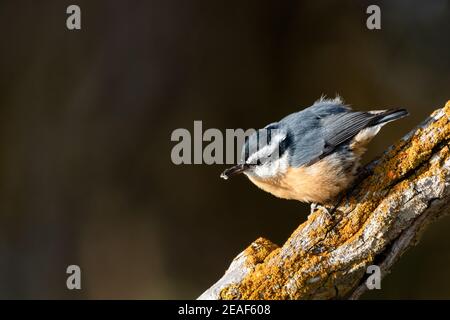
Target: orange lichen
258,251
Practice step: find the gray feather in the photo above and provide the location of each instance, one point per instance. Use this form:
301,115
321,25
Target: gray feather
318,130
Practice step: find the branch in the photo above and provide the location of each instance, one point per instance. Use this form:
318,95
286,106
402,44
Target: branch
375,223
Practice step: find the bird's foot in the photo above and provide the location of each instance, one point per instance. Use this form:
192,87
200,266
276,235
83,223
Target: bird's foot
316,206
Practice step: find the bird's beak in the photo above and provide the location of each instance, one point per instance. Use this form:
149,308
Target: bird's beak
237,169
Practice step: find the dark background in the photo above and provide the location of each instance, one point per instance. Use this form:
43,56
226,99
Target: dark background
86,116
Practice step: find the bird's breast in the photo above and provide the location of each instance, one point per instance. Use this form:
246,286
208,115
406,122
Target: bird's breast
320,182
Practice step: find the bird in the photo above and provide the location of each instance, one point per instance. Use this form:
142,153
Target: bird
312,155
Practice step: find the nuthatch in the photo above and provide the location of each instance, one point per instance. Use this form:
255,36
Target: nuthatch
311,155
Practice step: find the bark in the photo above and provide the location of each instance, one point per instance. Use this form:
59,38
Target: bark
373,224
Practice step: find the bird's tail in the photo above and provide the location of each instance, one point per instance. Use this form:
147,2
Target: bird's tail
390,115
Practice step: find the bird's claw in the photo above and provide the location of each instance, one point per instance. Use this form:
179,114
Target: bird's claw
315,206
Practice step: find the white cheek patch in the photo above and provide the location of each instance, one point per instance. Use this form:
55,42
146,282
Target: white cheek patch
272,168
269,149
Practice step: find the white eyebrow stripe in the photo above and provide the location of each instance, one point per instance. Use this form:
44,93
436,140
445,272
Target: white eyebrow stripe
267,150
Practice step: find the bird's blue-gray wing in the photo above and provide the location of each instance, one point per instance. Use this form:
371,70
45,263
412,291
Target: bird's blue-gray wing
318,130
339,128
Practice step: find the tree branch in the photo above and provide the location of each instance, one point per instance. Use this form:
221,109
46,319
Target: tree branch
375,223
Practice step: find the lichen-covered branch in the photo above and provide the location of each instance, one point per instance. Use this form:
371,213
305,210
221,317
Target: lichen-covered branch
375,223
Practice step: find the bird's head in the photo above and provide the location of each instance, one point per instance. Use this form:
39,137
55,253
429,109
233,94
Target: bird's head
264,154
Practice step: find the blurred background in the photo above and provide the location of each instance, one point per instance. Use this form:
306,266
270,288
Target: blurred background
86,117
